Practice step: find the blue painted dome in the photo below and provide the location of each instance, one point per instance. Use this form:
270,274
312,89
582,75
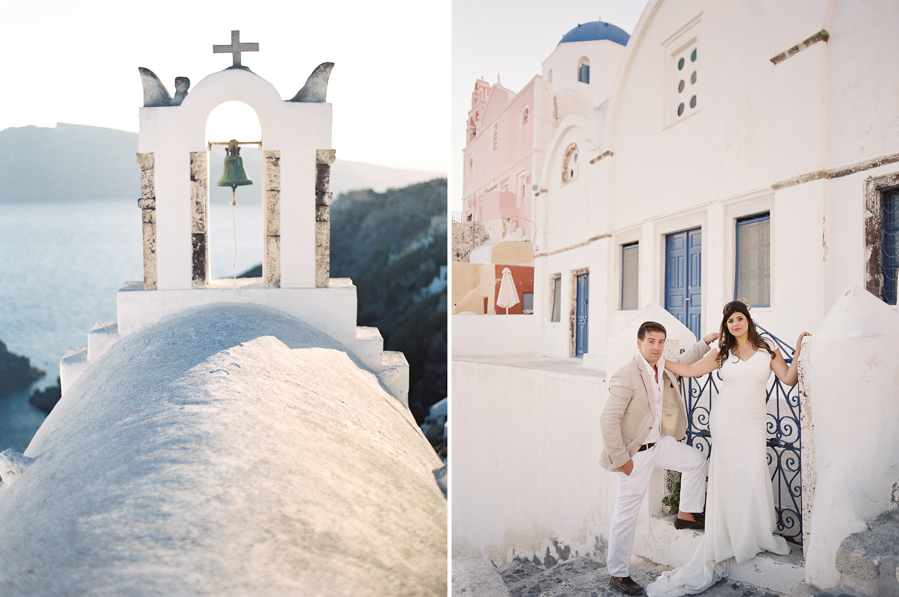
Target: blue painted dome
596,30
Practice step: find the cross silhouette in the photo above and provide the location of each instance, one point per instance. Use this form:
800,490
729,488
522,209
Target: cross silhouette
236,48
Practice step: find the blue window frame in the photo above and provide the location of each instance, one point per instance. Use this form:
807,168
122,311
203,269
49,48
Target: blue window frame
753,260
630,265
583,73
889,243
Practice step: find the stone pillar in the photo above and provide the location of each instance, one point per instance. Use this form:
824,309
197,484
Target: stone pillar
807,429
199,208
323,160
271,262
147,204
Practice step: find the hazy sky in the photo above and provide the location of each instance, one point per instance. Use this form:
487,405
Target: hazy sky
512,38
76,62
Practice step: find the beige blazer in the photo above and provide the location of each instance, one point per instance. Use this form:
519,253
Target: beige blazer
630,409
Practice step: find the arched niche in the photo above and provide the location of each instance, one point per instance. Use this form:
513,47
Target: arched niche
234,120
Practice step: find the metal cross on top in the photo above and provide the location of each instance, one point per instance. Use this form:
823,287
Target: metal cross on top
236,48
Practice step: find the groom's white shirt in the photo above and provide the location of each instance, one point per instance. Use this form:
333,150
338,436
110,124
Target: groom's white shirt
656,432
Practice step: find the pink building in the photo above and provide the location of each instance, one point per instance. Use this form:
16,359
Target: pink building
506,131
499,159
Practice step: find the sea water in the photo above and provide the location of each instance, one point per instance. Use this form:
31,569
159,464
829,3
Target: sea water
61,264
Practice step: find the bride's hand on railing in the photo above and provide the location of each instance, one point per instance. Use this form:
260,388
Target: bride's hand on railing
799,344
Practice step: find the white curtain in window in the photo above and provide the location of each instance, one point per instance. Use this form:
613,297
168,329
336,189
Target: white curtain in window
754,262
557,299
629,276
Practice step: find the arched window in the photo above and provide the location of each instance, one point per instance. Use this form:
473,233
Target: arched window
570,164
583,70
525,116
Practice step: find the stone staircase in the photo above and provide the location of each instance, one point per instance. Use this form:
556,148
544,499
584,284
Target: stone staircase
868,561
767,570
391,367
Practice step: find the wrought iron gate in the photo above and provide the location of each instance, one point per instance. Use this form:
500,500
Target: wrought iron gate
784,437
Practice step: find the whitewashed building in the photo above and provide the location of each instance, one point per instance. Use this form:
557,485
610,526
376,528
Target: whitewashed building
739,150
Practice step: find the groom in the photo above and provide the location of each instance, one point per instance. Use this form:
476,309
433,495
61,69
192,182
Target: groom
643,419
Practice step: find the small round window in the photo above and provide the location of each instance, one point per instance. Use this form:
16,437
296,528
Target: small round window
693,56
680,64
680,86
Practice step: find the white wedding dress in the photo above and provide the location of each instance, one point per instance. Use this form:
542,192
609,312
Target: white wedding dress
740,518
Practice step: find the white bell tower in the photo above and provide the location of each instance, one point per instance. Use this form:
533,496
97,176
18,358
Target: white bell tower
173,157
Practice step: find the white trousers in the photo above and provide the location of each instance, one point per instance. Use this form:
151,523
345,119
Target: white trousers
669,454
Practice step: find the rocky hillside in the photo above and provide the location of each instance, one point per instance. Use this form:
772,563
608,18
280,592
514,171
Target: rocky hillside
393,245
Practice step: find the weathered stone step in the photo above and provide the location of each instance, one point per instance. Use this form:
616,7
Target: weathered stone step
672,547
72,365
103,335
369,347
394,374
868,561
476,577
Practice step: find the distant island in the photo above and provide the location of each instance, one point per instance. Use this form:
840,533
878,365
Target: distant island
72,162
16,371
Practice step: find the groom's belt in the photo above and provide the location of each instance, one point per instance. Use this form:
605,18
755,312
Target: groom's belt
646,446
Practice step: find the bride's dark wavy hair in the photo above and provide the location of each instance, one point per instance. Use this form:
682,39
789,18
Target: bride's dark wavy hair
727,342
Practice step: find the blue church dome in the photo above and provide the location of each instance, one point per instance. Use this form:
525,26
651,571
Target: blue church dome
596,30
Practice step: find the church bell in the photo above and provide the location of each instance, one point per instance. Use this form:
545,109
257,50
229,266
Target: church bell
234,174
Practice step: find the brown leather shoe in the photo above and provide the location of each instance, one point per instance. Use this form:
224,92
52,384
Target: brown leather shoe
626,585
696,525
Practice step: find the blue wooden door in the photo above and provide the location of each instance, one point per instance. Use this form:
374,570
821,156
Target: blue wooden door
583,300
683,277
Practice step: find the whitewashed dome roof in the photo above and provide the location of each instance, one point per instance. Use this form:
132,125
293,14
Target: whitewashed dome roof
225,450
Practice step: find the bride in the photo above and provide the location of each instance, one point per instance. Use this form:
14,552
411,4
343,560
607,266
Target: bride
740,516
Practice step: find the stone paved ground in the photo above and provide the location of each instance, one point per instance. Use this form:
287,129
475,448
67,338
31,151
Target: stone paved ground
584,577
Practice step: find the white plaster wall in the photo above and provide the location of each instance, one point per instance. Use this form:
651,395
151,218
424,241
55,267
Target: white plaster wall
529,446
552,336
477,335
797,248
860,54
853,381
296,129
566,208
754,118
